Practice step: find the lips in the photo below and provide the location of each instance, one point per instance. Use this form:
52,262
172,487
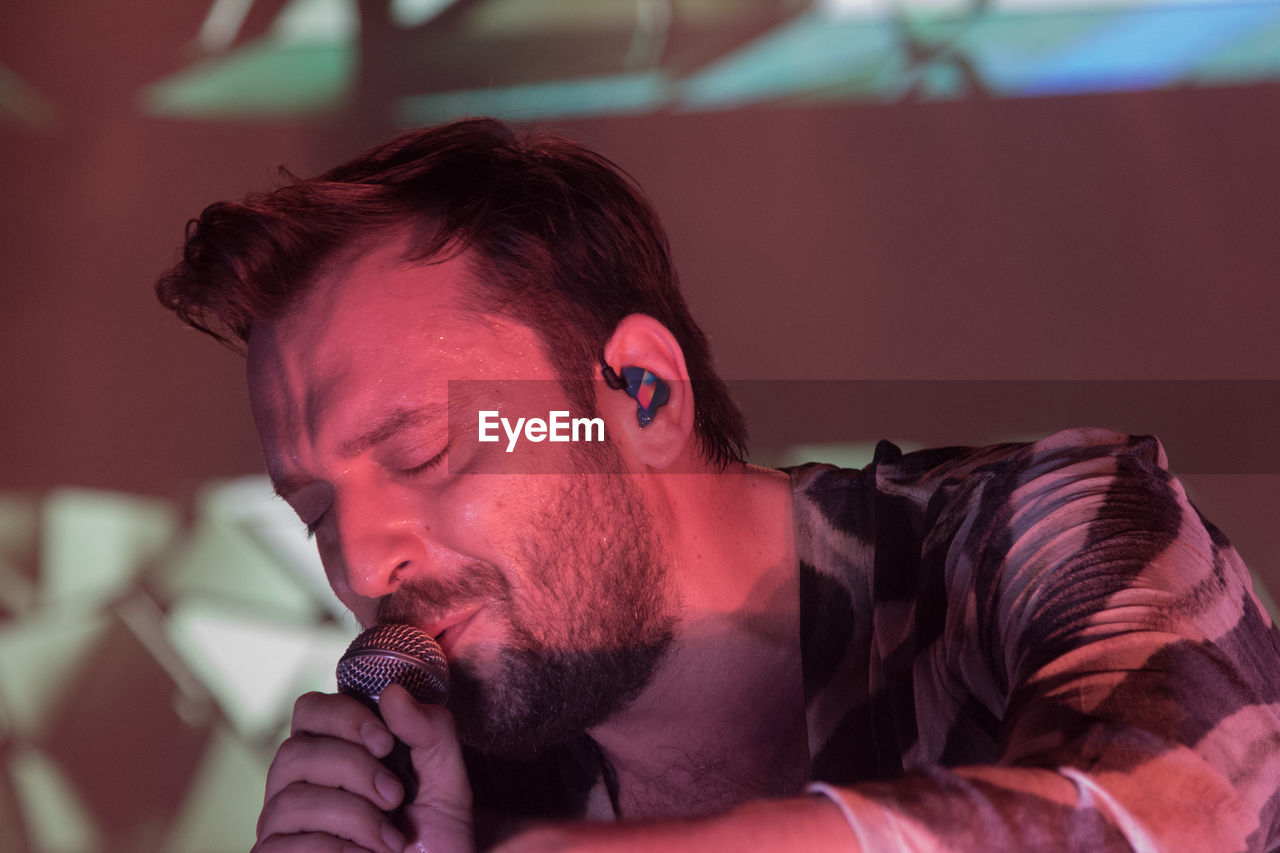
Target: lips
448,633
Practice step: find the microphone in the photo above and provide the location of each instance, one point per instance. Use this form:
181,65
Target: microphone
395,654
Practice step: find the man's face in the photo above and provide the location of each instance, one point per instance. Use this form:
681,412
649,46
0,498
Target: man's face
548,592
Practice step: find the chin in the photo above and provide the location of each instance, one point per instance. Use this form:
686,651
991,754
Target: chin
536,701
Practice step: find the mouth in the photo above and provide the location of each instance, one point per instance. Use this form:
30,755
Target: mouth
449,634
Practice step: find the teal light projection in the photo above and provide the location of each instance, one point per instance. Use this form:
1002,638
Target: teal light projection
149,664
559,58
302,67
21,104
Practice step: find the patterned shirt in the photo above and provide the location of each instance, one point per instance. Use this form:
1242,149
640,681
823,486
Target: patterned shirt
1014,647
1028,646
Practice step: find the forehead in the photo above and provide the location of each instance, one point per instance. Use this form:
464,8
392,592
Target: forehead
375,331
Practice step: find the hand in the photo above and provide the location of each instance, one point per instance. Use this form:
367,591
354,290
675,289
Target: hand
327,790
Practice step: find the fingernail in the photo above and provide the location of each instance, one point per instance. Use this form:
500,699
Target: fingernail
389,787
376,739
392,837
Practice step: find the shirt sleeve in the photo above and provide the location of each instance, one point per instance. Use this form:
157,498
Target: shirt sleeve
1135,675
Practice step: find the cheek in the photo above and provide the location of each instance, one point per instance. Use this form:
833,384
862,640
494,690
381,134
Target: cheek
485,509
515,523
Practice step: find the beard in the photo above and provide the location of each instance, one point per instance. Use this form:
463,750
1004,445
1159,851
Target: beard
542,700
594,621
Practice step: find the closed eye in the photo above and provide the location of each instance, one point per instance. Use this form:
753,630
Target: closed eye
419,470
410,473
313,527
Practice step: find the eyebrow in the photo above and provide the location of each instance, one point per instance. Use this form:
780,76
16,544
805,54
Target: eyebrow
389,427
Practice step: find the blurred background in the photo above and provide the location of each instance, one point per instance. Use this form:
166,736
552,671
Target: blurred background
936,221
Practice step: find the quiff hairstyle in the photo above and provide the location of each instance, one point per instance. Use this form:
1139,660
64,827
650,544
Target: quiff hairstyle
561,239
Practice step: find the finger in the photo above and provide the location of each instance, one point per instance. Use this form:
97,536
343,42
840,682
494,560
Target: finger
429,732
302,809
336,715
333,763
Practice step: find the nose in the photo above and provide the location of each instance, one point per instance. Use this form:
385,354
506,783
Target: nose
379,542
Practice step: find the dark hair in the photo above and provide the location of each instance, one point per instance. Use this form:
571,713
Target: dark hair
561,238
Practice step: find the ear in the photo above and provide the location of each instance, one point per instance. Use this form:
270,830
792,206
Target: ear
641,341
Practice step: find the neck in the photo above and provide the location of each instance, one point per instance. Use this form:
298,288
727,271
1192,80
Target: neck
723,719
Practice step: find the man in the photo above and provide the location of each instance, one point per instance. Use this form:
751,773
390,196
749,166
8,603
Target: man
654,645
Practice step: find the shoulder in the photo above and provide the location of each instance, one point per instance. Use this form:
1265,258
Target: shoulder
946,524
843,498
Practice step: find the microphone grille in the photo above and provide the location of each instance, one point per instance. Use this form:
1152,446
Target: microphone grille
394,654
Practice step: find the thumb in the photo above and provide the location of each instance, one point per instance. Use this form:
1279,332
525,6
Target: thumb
440,814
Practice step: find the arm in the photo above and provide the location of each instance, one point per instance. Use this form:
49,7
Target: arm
802,824
1112,636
